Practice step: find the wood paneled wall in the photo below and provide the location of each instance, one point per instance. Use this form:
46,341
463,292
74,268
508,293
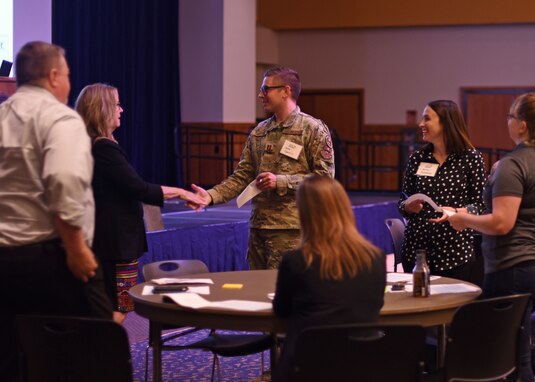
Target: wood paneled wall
208,148
485,111
8,86
336,14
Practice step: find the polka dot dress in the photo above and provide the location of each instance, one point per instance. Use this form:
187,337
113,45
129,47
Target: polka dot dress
457,183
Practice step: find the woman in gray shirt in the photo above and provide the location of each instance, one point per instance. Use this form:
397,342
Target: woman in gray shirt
508,239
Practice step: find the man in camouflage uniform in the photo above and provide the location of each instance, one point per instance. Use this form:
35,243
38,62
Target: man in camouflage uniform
279,153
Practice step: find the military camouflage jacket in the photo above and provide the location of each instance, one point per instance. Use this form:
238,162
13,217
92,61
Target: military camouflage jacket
276,209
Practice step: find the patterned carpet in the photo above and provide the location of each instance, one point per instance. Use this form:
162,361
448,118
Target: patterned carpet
190,365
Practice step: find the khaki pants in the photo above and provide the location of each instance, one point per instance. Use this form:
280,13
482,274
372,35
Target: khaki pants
266,246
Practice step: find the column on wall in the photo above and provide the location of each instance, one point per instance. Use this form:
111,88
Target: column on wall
218,86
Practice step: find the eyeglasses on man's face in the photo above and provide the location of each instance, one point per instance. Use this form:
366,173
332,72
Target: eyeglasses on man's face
264,89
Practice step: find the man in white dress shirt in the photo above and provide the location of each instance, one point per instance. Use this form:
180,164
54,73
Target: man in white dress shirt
46,202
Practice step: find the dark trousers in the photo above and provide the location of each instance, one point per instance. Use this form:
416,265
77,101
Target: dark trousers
512,281
35,280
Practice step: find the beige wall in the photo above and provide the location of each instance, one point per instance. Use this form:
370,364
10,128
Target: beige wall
404,68
32,20
217,61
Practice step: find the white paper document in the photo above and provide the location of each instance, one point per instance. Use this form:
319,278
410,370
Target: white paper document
180,281
398,277
429,201
403,277
448,288
250,192
193,301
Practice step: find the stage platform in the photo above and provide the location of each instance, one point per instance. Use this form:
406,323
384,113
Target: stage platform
218,236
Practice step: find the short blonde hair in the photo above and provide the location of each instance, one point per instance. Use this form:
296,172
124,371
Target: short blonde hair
96,105
328,229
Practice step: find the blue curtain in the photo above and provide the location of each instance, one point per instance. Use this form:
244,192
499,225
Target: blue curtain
132,45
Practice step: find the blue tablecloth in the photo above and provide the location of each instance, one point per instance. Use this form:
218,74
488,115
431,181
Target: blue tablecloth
371,223
219,237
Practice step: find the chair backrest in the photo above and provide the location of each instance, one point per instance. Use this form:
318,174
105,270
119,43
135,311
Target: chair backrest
152,215
72,349
173,268
483,338
362,352
397,232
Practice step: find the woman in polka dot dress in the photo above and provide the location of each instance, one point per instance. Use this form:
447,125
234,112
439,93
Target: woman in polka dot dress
452,173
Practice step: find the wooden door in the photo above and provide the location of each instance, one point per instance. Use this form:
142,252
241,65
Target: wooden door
485,111
341,110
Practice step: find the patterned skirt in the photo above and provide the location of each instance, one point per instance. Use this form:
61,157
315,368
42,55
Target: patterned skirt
126,274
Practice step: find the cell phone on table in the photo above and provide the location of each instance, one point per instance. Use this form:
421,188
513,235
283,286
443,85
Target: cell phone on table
169,288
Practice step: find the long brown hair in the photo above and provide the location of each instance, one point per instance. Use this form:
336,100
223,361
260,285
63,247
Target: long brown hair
456,138
328,229
97,106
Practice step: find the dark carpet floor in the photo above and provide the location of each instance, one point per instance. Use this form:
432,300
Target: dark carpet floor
189,365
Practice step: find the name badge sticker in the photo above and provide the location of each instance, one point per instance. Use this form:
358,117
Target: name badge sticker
291,149
427,169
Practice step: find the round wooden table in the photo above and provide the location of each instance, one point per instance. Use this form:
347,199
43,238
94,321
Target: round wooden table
399,308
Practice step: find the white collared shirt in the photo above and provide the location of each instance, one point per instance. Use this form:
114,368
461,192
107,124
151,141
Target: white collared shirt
46,168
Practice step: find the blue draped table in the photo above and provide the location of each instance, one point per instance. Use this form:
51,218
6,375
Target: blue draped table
219,236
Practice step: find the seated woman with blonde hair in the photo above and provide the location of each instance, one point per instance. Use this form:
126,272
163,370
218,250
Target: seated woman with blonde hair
335,276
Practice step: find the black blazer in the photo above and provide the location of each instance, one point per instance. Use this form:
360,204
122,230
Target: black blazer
119,191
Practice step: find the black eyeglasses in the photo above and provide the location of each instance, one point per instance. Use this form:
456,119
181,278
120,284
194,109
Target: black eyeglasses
265,89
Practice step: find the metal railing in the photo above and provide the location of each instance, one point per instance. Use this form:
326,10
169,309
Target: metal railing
209,155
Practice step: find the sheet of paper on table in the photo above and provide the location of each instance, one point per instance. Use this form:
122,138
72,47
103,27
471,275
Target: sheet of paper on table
403,277
250,192
193,301
168,280
448,288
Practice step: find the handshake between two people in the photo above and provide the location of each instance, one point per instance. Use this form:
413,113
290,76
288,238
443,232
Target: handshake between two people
195,200
200,198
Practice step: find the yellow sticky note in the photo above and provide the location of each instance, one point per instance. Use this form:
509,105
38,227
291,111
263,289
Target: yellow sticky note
232,286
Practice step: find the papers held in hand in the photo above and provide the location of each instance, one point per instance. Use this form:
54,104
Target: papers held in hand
429,201
250,192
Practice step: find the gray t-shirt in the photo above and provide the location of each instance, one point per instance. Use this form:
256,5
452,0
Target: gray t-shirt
515,176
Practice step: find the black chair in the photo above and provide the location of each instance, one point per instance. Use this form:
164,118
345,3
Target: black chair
396,227
362,352
53,349
482,342
225,345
